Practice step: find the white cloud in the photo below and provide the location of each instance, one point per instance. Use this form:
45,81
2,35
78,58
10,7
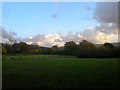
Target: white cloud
79,35
29,37
48,40
29,43
105,14
90,34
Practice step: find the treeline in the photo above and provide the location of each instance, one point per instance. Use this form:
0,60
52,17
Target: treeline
84,49
23,48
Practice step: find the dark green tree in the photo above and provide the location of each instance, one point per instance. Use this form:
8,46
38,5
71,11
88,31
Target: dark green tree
24,48
70,48
109,45
3,50
16,48
86,45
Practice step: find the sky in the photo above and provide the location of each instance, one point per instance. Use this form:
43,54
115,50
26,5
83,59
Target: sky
46,17
50,23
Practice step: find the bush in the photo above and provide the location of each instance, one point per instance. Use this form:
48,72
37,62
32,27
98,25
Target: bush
116,53
94,53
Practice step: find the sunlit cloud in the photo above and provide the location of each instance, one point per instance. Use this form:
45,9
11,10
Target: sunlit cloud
48,40
105,14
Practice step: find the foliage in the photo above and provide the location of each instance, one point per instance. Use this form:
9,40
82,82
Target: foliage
86,45
70,48
108,45
24,48
83,49
3,50
16,48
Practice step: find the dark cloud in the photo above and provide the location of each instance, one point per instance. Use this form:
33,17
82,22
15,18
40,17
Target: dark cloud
6,35
107,13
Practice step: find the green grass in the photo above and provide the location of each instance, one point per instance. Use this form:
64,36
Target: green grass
54,71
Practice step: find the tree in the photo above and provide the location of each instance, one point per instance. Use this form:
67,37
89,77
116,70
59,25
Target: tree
86,49
48,50
3,50
31,51
86,45
54,49
8,48
36,51
16,48
40,51
109,45
24,48
71,48
55,46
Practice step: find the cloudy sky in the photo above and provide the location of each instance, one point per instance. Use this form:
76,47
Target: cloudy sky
52,23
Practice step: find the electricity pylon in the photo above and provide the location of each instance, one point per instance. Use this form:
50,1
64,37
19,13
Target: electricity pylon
105,38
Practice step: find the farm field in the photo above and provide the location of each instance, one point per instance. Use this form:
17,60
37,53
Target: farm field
54,71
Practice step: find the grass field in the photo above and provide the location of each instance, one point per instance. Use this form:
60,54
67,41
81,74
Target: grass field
54,71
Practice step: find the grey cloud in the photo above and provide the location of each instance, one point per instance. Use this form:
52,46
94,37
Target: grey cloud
6,35
57,40
106,13
106,28
71,37
36,38
13,33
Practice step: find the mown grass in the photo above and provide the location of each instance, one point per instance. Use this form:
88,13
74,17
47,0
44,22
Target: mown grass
44,71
